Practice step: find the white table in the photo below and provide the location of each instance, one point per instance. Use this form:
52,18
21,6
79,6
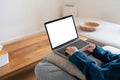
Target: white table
108,33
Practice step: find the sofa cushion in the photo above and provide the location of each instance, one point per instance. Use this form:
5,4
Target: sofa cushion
48,71
64,64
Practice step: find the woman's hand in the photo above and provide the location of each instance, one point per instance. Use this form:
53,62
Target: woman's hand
71,50
90,48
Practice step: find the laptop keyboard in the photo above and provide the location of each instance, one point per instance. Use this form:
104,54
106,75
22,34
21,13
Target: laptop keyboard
79,44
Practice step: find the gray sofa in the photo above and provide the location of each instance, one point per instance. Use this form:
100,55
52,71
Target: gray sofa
54,67
49,71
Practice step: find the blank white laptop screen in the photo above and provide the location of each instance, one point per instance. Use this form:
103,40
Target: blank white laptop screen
61,31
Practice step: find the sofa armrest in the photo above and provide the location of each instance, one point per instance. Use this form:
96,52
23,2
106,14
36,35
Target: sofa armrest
112,49
49,71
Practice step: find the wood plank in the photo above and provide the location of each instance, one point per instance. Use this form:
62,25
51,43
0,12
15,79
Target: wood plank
25,52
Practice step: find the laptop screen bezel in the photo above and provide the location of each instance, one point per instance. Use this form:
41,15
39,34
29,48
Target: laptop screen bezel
58,20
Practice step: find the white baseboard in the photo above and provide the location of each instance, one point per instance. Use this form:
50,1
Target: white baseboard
20,37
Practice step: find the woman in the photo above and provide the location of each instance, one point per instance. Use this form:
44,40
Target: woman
109,71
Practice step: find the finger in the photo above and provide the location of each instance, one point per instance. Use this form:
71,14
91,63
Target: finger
86,49
67,48
74,47
66,51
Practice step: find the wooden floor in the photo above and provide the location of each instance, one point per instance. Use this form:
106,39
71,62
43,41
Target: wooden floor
24,55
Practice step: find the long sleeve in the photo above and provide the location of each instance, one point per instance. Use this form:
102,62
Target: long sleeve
104,55
87,66
79,58
94,72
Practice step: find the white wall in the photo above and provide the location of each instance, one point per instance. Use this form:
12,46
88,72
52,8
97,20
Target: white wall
108,10
21,18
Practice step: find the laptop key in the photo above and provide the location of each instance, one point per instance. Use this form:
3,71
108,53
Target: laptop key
79,44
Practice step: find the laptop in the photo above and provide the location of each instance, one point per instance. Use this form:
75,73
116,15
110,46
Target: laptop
62,33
